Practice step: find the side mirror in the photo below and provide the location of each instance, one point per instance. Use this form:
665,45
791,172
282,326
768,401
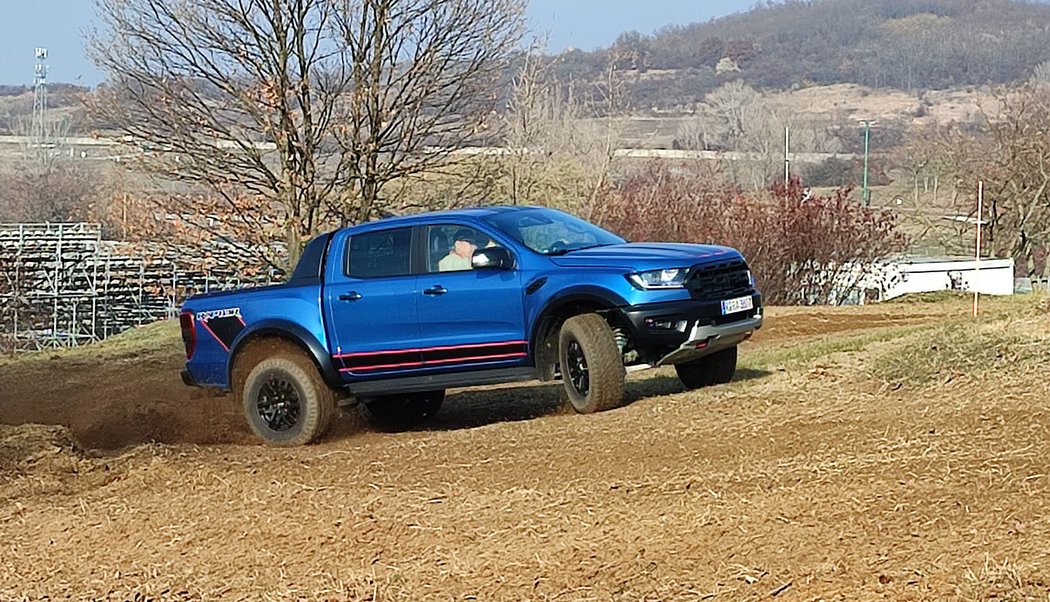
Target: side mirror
492,258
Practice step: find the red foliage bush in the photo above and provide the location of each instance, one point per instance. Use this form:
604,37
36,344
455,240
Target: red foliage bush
803,249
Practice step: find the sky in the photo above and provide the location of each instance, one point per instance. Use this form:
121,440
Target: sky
60,26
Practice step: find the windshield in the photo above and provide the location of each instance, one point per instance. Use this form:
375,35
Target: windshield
551,232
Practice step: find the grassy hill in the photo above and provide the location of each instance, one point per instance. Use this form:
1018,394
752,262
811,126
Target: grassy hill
911,45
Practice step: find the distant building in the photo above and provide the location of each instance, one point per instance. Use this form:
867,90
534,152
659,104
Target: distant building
930,274
726,65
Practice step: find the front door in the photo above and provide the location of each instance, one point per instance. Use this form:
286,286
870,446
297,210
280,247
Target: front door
371,299
468,319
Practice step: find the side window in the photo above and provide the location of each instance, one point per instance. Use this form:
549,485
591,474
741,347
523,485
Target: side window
380,254
450,247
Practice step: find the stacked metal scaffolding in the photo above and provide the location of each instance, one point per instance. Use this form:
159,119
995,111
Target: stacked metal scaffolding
48,284
62,285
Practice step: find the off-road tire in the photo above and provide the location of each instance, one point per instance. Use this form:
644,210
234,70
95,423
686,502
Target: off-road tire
715,369
404,411
278,369
602,365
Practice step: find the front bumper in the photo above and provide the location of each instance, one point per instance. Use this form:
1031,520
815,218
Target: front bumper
705,340
693,322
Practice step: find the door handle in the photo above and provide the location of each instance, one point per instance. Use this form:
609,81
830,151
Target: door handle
435,290
351,296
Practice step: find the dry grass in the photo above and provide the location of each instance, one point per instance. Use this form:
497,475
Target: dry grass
1004,581
961,349
148,339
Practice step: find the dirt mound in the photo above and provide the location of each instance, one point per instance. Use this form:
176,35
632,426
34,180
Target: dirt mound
123,392
39,463
26,445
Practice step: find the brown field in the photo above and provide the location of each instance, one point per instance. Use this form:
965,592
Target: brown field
893,452
838,105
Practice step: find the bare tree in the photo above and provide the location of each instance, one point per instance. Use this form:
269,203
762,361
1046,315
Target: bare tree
1040,78
538,125
426,76
1012,156
61,191
554,152
559,145
312,105
44,185
737,118
43,143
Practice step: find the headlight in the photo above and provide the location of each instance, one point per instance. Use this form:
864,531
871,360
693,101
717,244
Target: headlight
750,279
670,278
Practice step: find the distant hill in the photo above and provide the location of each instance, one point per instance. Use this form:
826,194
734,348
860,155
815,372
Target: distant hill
910,45
16,104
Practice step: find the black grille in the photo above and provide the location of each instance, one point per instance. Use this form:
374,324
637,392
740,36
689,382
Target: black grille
722,280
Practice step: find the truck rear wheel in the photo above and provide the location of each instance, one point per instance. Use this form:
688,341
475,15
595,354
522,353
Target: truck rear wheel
285,399
715,369
403,411
590,363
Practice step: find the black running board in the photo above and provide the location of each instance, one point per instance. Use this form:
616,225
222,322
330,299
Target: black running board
433,382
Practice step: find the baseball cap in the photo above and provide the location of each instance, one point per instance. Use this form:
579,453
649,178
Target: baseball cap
466,234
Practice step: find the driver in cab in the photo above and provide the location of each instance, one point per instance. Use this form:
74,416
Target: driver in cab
459,256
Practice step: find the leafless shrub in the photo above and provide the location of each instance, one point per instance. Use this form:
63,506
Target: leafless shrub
804,249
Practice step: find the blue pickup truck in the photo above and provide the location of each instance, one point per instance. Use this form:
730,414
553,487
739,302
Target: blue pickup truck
394,312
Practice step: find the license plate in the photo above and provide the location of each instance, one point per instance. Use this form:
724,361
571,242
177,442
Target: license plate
732,306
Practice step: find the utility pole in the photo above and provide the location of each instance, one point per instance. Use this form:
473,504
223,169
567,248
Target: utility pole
787,161
865,191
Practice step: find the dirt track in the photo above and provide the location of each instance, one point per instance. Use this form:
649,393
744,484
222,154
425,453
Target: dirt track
810,480
130,398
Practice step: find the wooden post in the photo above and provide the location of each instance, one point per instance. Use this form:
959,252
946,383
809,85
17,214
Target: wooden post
977,247
787,160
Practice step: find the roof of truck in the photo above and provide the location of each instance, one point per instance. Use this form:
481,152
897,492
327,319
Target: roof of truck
472,212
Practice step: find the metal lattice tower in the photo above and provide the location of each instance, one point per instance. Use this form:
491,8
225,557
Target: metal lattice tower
40,129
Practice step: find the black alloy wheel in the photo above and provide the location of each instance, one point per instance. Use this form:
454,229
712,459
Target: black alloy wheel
578,375
278,404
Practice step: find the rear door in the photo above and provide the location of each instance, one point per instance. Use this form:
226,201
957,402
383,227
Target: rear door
371,299
468,319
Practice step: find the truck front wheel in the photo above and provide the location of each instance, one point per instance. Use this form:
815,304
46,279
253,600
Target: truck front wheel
715,369
285,400
590,363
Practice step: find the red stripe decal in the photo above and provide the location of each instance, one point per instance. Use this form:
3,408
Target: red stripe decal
215,336
480,358
425,349
476,359
382,367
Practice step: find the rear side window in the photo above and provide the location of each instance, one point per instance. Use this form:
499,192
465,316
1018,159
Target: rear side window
380,254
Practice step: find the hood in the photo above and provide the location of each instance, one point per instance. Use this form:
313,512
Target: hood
647,255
